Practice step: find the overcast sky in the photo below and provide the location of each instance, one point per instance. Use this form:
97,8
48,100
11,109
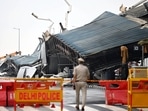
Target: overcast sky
17,14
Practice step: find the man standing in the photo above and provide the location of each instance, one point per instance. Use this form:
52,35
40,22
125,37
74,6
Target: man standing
80,76
124,68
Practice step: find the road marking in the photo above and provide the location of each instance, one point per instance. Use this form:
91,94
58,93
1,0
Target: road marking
71,107
28,108
89,107
112,107
3,108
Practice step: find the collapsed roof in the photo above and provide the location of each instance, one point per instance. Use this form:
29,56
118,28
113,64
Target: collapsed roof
99,41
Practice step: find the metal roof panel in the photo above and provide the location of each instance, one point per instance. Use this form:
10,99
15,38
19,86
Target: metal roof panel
105,32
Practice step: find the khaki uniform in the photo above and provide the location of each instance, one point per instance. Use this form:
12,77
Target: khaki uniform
82,74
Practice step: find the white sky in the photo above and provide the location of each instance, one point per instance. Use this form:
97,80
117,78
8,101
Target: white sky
17,14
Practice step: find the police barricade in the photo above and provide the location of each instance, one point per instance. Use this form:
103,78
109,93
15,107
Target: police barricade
6,86
137,93
38,92
116,91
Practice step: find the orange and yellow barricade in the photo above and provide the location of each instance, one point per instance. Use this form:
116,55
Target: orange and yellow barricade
38,91
137,93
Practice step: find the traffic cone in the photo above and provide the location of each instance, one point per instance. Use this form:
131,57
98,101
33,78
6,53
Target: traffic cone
21,105
52,106
36,105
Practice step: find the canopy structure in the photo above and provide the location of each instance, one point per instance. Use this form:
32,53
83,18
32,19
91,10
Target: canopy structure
99,41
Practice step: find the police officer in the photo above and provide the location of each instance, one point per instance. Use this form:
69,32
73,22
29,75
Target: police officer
80,76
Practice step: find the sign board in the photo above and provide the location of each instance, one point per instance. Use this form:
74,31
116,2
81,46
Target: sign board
38,96
38,91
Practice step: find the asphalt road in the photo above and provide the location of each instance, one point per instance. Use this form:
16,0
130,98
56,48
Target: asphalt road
95,102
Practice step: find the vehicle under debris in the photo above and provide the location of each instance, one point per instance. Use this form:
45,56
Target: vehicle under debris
98,42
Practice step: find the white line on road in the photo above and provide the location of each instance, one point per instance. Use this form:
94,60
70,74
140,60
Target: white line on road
69,107
3,108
